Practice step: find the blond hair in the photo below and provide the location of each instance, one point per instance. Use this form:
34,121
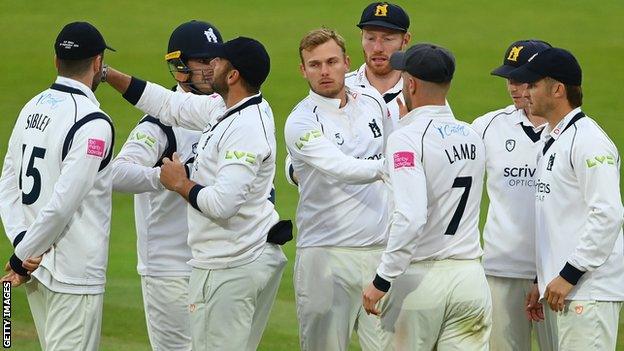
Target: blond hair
318,37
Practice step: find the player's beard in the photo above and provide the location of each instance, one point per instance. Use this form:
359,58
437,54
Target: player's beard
378,70
408,101
97,78
332,94
219,84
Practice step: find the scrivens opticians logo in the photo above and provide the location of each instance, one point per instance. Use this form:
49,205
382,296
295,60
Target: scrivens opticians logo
519,176
541,190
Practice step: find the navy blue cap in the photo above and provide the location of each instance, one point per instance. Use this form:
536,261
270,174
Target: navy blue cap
191,39
248,56
556,63
79,40
386,15
518,54
428,62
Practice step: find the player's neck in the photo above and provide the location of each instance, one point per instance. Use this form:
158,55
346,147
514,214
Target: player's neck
384,82
535,120
557,114
86,80
235,95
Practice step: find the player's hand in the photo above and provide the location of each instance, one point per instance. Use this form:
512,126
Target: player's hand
556,292
402,108
173,173
534,309
32,263
370,298
15,279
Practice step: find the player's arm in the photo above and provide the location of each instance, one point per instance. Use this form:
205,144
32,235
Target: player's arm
306,142
241,153
409,191
289,170
182,109
596,163
91,145
10,197
133,167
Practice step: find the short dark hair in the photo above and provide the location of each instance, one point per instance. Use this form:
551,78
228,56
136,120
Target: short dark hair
73,68
574,93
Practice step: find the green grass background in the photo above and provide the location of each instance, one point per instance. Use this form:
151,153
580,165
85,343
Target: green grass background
477,32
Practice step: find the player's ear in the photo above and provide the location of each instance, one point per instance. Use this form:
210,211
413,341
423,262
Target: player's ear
56,62
97,63
303,71
406,39
348,63
233,76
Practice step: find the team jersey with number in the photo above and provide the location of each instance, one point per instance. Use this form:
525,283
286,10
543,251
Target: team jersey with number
357,79
511,147
230,215
160,215
579,211
56,186
436,165
337,155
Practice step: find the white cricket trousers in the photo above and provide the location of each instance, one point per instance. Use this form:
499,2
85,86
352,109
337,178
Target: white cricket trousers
165,301
511,330
439,305
588,325
65,322
230,307
329,282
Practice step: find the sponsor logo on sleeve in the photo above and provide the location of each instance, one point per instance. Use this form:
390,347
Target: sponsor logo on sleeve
600,160
96,147
403,159
241,156
145,138
307,137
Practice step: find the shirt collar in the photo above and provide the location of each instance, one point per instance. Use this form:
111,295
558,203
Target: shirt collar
556,132
72,83
433,111
328,103
363,80
239,105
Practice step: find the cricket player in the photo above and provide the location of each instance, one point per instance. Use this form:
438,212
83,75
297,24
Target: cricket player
160,214
512,141
579,213
335,137
438,294
55,196
235,271
384,31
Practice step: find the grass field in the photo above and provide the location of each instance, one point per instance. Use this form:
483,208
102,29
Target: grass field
477,32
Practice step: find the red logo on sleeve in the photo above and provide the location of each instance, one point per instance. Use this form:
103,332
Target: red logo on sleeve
95,147
403,159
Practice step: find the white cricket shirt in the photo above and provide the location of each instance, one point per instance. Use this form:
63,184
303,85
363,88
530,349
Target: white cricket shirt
235,164
579,211
511,147
56,185
160,215
436,165
357,79
337,154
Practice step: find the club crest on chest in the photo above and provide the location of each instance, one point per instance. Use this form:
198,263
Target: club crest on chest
510,144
